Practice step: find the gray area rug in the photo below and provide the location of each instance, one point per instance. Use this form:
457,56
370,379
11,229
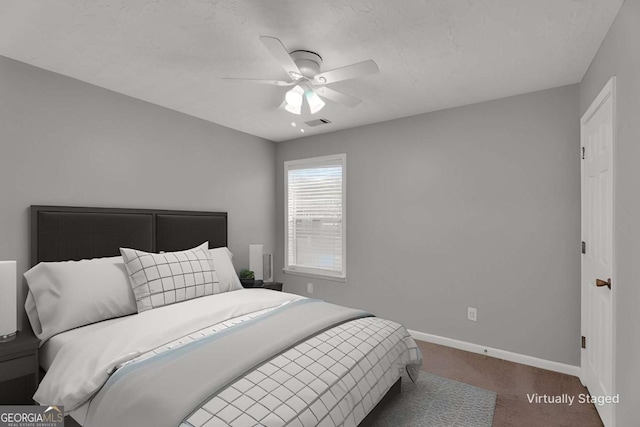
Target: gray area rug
438,402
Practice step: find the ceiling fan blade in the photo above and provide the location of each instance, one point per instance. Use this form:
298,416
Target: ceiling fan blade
260,81
339,97
279,52
349,72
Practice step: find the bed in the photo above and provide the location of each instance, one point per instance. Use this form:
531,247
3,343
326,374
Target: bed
230,356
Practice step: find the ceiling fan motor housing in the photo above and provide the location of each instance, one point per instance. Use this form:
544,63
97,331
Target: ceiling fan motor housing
308,62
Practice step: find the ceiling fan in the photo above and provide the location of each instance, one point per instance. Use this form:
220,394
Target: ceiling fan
303,67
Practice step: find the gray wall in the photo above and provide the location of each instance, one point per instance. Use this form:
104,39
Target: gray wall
473,206
619,56
65,142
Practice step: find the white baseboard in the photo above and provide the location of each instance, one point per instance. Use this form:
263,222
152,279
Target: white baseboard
497,353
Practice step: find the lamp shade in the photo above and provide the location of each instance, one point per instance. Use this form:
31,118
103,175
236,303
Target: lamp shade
315,103
8,300
293,100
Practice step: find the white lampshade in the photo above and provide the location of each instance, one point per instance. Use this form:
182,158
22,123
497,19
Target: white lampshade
294,100
8,300
315,103
293,109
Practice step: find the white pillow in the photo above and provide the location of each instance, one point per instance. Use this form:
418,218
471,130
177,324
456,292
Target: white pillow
224,269
32,314
66,295
166,278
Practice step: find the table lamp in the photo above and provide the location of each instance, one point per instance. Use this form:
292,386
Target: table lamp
8,297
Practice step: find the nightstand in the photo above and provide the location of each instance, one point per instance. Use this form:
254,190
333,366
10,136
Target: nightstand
274,286
19,369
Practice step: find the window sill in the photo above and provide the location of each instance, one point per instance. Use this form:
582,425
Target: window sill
315,275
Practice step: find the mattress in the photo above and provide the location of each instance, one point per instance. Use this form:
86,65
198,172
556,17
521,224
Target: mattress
107,372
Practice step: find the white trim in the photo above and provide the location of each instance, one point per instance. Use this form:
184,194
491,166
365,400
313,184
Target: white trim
550,365
607,91
614,267
315,160
315,275
338,276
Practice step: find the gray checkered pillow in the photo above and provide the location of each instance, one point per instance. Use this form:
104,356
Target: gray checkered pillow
167,278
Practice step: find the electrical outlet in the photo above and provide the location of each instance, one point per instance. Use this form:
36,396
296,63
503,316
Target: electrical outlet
472,314
310,288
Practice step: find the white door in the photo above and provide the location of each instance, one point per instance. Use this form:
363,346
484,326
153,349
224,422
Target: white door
597,138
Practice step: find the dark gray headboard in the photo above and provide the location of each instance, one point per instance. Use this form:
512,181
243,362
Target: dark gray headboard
61,233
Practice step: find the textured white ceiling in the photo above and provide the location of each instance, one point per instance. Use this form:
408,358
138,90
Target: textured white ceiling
432,54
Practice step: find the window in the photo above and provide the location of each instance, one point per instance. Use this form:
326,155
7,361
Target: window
315,228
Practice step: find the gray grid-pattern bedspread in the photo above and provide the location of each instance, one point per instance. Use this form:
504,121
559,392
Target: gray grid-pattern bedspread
332,379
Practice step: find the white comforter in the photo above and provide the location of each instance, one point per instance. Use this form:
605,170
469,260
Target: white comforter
83,365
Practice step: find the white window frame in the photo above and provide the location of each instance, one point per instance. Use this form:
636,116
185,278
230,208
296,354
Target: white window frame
340,276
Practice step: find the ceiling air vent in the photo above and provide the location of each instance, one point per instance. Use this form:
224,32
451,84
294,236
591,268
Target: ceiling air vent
318,122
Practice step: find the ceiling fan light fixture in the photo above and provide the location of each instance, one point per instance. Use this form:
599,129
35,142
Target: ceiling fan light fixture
315,102
293,109
293,100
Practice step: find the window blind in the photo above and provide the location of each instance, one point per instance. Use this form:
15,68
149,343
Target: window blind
315,222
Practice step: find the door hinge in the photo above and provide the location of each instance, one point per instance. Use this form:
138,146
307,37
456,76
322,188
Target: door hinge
583,151
584,342
584,247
